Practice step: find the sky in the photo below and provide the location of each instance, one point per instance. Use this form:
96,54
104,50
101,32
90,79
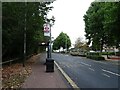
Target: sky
69,18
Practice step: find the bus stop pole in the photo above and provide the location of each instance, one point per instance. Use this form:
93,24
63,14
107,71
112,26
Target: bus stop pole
50,44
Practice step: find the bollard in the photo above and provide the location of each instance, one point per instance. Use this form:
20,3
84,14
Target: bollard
49,65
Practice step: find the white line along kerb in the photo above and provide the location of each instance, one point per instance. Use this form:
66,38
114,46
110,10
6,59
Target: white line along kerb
67,77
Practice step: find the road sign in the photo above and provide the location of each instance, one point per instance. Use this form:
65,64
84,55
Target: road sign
46,30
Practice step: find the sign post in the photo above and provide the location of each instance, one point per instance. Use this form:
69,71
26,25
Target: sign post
49,60
47,32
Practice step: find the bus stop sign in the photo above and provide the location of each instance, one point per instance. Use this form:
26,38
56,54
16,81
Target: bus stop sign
46,30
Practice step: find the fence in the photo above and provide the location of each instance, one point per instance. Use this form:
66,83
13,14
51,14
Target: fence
10,61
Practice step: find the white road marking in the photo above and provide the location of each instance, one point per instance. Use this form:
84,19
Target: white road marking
111,72
91,69
100,62
81,65
72,83
85,64
105,75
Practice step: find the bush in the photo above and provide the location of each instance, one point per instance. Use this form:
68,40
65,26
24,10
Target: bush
93,53
82,55
95,57
109,53
102,53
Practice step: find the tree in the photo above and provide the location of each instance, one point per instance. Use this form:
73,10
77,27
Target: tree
94,26
80,44
63,41
102,21
14,24
112,23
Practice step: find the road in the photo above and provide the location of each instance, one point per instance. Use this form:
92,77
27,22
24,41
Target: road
87,73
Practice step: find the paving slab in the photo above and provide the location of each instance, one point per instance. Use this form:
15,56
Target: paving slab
42,79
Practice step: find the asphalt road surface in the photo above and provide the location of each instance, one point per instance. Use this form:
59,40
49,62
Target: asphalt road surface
87,73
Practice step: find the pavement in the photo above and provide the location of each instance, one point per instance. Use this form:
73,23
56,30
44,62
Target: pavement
59,79
42,79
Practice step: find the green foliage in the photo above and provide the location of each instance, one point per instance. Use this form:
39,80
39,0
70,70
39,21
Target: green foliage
112,22
104,53
14,24
93,21
81,45
108,53
102,21
62,40
95,57
93,53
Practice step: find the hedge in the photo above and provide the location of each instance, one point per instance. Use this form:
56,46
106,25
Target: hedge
95,57
109,53
93,53
82,55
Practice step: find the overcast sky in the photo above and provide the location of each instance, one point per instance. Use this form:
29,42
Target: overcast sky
69,17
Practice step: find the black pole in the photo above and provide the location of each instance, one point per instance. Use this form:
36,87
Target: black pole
50,44
25,38
49,60
48,51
